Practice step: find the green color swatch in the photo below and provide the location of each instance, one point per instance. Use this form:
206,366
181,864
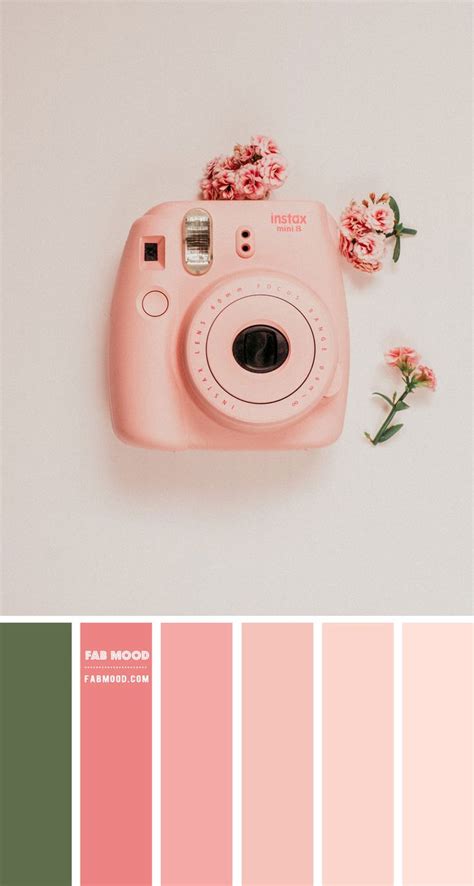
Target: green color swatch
35,754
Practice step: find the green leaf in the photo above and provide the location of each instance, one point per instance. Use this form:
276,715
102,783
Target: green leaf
398,228
393,203
378,394
389,433
408,230
368,436
396,251
401,405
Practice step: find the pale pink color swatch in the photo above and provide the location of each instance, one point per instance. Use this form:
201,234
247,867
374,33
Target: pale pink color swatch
116,752
357,754
277,781
438,744
196,754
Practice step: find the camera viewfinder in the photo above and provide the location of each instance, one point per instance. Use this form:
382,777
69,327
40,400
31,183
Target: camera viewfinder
150,252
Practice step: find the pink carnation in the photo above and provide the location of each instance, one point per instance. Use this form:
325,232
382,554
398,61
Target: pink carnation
380,217
244,153
214,181
210,167
264,145
345,246
404,358
353,221
369,251
209,191
426,377
231,162
225,184
250,173
274,170
365,253
250,183
363,226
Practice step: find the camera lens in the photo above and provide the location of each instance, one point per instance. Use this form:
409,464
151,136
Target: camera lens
245,233
260,348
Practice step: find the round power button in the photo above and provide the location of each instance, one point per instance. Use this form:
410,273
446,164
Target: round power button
155,303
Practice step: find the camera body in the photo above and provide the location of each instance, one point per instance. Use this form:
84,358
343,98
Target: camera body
229,328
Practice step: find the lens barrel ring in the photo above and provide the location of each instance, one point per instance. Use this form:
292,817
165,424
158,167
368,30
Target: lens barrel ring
264,394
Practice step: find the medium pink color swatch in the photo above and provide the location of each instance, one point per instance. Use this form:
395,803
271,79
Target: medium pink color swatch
196,754
116,750
357,754
438,747
277,710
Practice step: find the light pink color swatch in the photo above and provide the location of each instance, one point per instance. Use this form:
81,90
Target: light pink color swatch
116,750
357,754
438,747
196,754
277,710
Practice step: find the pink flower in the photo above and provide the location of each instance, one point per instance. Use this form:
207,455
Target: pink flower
366,253
372,198
369,249
250,173
231,162
243,153
212,172
373,215
273,168
346,248
210,167
209,192
380,217
264,145
426,377
354,221
225,185
404,358
250,184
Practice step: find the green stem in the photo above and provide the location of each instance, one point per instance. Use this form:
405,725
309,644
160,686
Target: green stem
392,413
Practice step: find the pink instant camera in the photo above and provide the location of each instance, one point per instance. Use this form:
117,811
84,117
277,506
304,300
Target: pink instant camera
229,328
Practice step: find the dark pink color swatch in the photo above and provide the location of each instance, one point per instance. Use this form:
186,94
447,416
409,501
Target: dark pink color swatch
277,700
116,748
196,754
358,754
438,746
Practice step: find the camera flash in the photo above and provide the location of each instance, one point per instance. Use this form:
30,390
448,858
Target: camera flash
197,241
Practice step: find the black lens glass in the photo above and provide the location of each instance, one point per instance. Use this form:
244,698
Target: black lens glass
260,348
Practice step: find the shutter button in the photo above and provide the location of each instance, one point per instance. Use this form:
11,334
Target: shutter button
155,303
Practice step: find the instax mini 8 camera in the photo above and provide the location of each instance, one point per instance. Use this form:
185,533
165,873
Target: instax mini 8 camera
229,328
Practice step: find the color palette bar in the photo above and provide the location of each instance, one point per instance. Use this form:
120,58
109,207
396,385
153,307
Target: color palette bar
358,754
390,745
438,744
277,748
116,754
35,767
196,754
